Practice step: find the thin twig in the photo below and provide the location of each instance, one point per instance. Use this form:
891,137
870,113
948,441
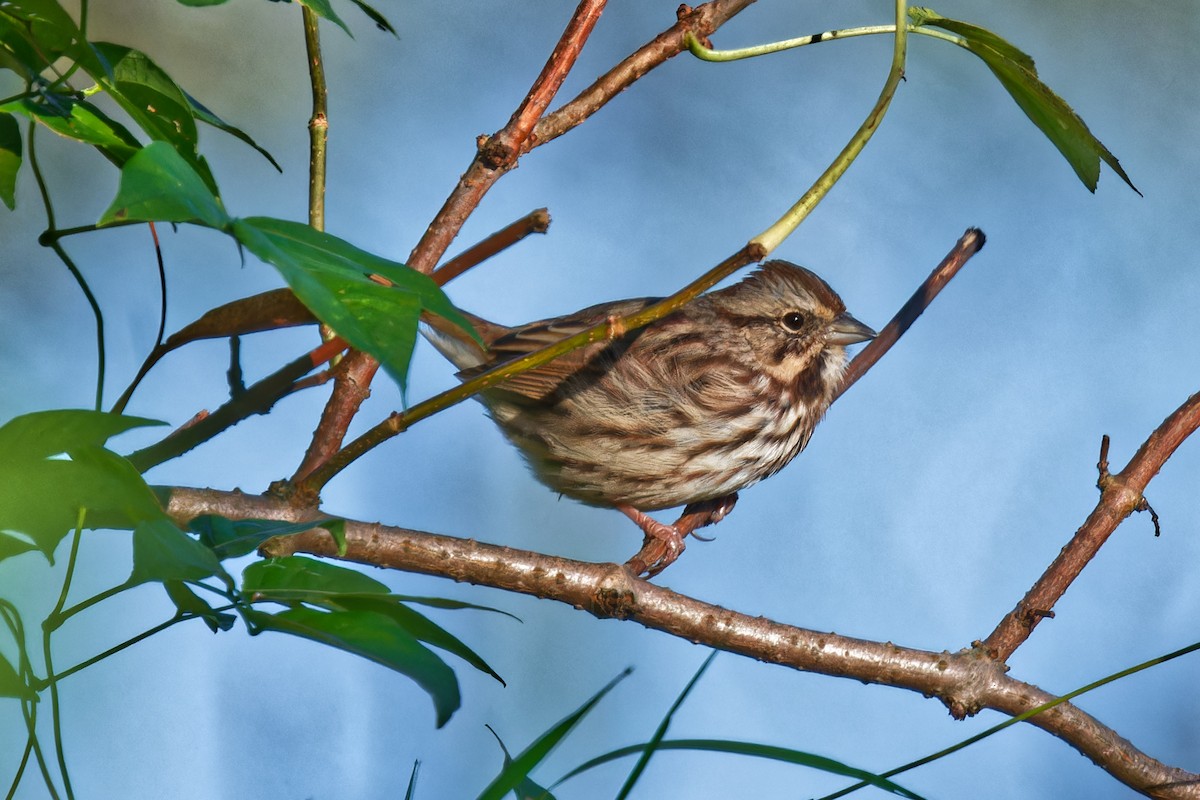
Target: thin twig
1120,496
971,243
534,222
701,22
498,153
257,399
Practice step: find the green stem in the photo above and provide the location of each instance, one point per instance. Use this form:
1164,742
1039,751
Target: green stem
51,235
318,124
773,236
75,273
47,630
56,621
705,54
12,619
54,678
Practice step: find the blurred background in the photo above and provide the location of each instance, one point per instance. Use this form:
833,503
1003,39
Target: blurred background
930,499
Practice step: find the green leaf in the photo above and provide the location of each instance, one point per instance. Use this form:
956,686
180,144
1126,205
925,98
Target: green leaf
372,636
188,602
379,20
526,789
452,605
198,3
661,730
419,626
78,120
143,88
232,538
305,579
53,466
1050,113
347,288
323,8
516,770
37,32
12,546
162,552
11,684
781,754
410,793
201,113
157,184
10,158
48,433
300,579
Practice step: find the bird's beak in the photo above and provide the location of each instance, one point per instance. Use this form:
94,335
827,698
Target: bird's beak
847,330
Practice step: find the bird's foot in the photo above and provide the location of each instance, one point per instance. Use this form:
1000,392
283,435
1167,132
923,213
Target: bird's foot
664,543
706,512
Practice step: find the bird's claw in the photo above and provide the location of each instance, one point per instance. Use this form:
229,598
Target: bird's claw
664,543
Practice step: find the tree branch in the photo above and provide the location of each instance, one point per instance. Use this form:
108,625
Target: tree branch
498,153
964,681
971,243
1120,496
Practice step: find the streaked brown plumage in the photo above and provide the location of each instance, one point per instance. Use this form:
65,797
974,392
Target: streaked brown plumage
687,410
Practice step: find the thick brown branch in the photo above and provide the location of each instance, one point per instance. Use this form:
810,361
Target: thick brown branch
964,681
1120,496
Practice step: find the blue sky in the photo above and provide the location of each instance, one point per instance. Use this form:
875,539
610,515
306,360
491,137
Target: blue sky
933,495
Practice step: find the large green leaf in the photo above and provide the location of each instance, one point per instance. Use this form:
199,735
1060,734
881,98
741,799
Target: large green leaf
36,32
142,87
373,636
419,626
299,578
78,120
53,466
48,433
232,538
10,158
373,303
157,184
11,684
162,552
1050,113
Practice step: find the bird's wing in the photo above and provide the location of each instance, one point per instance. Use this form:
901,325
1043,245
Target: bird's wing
540,382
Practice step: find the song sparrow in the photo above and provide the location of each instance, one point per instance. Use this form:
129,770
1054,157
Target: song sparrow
687,410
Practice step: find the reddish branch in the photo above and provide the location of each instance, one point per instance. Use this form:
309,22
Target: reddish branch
700,22
534,222
971,243
498,153
1120,496
965,681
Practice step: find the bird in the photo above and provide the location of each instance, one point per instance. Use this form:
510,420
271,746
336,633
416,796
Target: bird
685,411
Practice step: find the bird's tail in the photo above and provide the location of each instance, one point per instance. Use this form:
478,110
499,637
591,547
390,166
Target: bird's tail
454,343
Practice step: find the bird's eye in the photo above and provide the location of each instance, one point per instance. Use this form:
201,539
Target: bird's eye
793,321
